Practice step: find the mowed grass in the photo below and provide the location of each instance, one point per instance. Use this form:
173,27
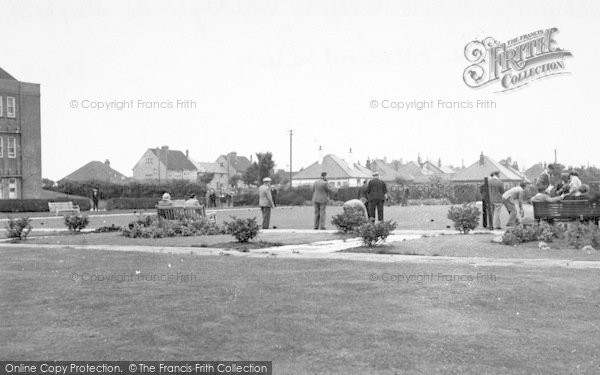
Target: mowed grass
116,238
478,245
307,316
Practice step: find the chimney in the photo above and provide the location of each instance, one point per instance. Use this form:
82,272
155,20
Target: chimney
187,154
481,159
321,156
107,163
350,159
165,148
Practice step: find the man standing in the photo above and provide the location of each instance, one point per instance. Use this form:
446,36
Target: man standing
376,193
321,191
496,191
545,178
95,198
509,198
265,201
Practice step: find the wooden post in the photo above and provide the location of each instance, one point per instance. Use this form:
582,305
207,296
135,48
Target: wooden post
485,199
490,206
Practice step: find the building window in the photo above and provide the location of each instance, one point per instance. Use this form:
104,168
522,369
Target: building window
12,147
12,188
1,106
11,110
148,160
1,147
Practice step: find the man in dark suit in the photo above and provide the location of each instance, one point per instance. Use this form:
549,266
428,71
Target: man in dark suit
377,194
496,191
321,191
545,179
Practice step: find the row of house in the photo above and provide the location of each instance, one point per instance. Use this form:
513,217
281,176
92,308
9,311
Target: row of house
163,164
342,173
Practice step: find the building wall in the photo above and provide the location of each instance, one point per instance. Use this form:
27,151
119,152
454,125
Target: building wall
335,182
148,168
23,173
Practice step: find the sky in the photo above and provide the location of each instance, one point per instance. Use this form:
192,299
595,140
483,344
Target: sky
246,72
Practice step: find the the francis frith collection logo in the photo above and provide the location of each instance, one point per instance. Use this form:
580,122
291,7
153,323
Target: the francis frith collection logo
514,63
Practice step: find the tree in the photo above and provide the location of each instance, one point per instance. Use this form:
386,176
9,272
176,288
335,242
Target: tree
233,180
206,178
47,183
250,177
265,164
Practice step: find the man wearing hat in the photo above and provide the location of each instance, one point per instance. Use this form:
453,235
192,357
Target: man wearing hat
265,201
321,191
376,193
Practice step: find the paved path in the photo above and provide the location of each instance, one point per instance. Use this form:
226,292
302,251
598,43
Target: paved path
331,250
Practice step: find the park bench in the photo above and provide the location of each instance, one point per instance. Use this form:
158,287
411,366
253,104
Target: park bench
184,212
567,210
65,207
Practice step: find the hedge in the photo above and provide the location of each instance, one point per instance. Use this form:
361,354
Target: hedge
131,203
39,205
108,190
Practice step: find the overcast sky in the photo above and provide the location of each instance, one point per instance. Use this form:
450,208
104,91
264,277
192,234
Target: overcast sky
256,69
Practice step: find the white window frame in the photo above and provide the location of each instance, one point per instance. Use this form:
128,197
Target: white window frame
9,113
1,147
12,184
1,111
12,140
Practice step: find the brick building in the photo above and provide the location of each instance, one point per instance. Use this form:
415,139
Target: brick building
20,139
162,164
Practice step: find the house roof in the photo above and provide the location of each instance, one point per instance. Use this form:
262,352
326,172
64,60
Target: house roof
387,173
239,163
335,167
411,168
4,75
478,170
210,168
98,171
175,160
533,172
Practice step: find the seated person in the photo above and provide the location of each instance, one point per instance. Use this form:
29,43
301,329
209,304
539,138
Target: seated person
356,204
543,196
192,202
563,185
574,183
165,201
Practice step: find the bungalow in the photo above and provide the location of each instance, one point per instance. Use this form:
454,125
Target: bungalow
482,168
339,173
96,171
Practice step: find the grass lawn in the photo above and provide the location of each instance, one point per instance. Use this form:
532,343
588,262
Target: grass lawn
478,245
116,238
307,316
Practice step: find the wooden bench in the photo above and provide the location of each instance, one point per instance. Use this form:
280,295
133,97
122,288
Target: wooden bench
58,207
185,212
567,210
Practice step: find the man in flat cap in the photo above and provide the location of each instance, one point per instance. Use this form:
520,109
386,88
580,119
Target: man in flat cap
265,201
321,191
377,194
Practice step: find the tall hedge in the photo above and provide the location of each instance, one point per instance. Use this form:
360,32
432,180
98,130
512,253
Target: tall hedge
179,189
39,205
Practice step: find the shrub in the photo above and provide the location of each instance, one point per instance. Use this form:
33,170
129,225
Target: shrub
349,220
579,235
18,228
131,203
464,193
38,205
242,229
152,227
465,217
429,202
527,233
373,234
76,222
107,229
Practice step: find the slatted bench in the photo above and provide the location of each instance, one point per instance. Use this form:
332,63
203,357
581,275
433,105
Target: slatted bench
65,207
185,212
567,210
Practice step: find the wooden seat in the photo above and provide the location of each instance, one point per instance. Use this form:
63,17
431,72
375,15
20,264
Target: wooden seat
64,207
184,212
567,210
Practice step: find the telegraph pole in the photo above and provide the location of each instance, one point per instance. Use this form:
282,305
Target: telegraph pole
291,132
555,159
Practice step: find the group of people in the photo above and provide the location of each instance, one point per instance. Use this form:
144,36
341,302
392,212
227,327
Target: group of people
220,200
371,199
568,186
166,201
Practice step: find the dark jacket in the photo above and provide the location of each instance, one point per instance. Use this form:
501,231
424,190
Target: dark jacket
376,189
496,190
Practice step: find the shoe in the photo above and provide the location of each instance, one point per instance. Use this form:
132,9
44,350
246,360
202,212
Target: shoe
498,228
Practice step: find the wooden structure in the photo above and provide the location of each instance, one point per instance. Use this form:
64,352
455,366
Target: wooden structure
185,212
64,207
567,210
